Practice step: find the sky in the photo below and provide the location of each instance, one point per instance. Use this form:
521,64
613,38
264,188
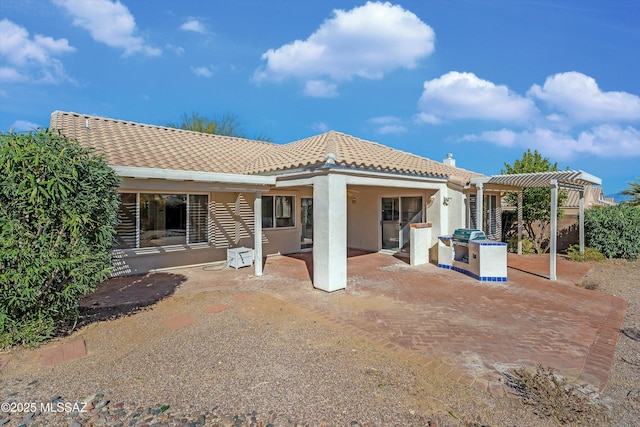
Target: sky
484,80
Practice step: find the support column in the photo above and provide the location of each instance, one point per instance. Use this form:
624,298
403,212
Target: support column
329,232
553,234
257,233
520,201
479,206
581,221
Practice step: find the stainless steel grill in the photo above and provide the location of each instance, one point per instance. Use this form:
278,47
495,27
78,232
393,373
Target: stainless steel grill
462,236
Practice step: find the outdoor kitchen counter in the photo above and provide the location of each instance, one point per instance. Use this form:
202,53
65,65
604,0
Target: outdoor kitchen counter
482,259
487,260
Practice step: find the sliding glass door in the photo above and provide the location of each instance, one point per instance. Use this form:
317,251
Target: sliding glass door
397,215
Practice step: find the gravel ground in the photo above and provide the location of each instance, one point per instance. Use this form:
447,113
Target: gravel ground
264,362
622,393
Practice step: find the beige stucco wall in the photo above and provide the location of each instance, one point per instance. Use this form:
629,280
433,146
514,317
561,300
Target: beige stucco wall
363,214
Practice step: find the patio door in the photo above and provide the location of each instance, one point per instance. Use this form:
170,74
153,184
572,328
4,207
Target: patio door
306,223
390,222
397,215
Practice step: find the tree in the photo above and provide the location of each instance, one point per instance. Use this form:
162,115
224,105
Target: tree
228,125
634,192
58,212
536,202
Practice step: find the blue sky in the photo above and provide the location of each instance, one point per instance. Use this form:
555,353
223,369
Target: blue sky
481,79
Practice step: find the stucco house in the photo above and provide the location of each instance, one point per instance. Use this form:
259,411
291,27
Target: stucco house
187,197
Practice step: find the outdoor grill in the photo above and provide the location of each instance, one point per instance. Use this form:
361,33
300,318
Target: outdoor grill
462,236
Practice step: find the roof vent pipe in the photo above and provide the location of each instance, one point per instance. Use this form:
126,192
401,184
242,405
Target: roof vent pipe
449,161
86,122
330,159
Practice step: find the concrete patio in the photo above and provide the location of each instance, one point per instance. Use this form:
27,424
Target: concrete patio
475,331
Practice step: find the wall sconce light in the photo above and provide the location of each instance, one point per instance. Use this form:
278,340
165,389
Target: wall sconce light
446,200
353,200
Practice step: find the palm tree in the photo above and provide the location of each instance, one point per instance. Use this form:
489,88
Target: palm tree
634,192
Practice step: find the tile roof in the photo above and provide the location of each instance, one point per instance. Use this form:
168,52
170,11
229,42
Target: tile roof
133,144
353,152
594,196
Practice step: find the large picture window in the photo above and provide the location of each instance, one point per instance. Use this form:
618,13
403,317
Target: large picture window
278,211
161,220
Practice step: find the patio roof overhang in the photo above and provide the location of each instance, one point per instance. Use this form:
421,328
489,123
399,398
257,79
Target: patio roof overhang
237,182
576,180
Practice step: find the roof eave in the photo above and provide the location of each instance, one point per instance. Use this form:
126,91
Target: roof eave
195,176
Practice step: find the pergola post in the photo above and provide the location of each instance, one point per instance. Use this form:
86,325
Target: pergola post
257,233
581,220
553,235
479,206
520,201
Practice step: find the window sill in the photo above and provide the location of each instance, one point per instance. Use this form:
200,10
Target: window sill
279,228
159,249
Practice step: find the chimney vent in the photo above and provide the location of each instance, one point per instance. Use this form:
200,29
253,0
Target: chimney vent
449,161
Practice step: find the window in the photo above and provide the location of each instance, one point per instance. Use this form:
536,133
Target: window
278,211
148,220
163,219
198,213
126,231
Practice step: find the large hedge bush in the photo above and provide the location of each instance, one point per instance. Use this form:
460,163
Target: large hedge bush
613,230
58,211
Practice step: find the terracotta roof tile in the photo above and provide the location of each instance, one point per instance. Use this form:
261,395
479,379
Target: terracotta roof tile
133,144
350,151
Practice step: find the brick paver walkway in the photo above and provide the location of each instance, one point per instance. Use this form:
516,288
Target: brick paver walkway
61,353
483,328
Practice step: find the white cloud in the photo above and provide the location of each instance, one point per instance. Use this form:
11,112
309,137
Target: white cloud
320,127
24,126
202,71
581,100
388,125
11,75
108,22
193,24
458,96
320,89
178,50
367,41
426,118
31,59
504,137
600,141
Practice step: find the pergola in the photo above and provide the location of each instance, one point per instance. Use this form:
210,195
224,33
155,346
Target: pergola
574,180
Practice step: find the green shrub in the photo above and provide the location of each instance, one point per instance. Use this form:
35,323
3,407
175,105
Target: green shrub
590,254
613,230
58,210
